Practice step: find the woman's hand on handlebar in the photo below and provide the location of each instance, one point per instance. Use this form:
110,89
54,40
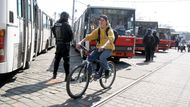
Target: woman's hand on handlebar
78,45
101,49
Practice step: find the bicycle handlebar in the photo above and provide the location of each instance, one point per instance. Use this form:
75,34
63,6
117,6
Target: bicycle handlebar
84,48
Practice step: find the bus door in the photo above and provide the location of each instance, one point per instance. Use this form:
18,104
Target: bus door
163,45
20,15
36,26
139,46
52,39
31,29
27,38
39,31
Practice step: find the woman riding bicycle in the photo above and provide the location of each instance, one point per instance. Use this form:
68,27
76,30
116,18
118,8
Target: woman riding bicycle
104,46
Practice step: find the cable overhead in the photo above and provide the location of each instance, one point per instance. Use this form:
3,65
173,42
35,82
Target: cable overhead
149,1
81,2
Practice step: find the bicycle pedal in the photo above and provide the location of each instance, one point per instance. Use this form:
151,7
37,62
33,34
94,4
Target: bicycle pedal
91,78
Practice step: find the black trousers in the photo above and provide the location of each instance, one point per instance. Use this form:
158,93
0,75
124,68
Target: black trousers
148,53
62,52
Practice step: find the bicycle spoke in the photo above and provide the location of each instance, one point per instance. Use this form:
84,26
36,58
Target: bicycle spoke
106,82
78,82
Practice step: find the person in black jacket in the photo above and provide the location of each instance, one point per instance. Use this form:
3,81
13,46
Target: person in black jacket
156,42
64,35
148,41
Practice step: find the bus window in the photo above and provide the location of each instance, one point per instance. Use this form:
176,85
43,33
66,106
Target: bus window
142,26
120,20
44,21
141,31
19,8
29,10
162,36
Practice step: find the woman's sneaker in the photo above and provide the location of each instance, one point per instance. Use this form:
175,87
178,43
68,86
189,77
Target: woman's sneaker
97,75
107,73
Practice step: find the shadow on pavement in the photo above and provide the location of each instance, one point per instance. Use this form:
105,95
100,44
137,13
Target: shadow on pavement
83,101
74,61
162,51
139,56
121,65
143,63
7,78
28,89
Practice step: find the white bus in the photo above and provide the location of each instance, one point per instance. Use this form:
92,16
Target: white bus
24,33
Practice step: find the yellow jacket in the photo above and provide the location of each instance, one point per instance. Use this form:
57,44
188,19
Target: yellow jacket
103,38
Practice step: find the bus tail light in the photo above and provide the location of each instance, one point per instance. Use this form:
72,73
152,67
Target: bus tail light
2,44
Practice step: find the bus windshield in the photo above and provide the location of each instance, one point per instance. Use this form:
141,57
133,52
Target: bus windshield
142,27
122,20
164,33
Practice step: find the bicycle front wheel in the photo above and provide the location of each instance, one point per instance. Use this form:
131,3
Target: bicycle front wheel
106,82
77,82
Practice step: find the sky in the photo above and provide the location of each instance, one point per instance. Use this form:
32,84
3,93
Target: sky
168,13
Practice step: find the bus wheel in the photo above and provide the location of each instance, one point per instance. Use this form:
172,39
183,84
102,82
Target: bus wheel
47,46
142,52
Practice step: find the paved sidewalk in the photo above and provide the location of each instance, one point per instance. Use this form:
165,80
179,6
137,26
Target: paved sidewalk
31,87
169,86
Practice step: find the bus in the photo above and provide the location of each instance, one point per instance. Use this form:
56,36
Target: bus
24,33
141,28
172,39
164,35
121,19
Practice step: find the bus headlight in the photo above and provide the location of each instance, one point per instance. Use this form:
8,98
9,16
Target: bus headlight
129,48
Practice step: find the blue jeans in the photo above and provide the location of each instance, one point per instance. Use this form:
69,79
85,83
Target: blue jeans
102,56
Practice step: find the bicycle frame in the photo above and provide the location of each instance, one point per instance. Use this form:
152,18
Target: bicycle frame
101,69
79,78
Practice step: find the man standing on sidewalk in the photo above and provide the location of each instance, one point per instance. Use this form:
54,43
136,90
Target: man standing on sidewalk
156,43
64,35
148,41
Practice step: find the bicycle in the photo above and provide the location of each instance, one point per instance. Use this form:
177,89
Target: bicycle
79,78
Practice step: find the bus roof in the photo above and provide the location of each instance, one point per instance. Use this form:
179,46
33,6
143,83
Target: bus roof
144,23
110,7
138,21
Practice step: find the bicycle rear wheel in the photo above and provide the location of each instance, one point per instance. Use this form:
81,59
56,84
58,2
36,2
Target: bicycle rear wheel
107,82
77,82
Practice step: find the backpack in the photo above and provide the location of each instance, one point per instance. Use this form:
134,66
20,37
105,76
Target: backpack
150,39
59,30
114,31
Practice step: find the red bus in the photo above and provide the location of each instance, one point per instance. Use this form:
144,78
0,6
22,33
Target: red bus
164,35
141,27
121,19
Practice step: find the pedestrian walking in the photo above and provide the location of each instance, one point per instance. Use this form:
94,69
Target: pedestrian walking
148,42
182,44
64,35
177,44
